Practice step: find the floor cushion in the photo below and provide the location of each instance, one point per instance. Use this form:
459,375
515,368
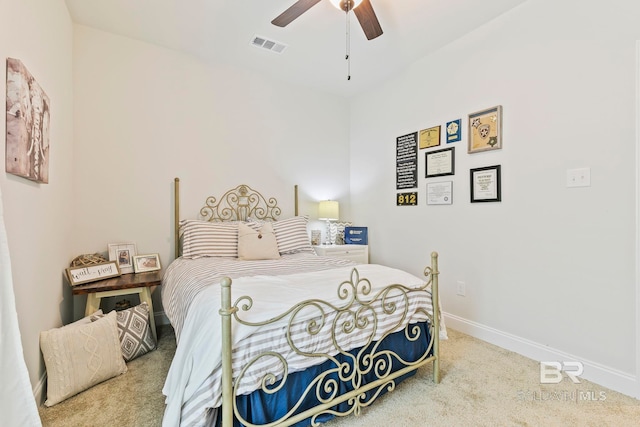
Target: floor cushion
79,356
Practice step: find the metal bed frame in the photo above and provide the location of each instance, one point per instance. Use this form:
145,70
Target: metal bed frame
357,310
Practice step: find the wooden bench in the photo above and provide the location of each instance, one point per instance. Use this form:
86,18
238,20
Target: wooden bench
127,284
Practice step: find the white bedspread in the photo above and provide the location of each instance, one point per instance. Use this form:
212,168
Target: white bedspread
193,379
185,278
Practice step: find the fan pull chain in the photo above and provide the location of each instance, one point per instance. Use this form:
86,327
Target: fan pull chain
348,48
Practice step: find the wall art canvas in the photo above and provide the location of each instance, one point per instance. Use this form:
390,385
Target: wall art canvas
28,125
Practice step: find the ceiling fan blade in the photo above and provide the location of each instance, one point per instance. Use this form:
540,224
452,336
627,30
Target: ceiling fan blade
298,8
368,20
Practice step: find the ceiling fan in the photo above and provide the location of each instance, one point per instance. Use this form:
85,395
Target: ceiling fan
362,8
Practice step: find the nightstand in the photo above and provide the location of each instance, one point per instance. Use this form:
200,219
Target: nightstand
357,253
127,284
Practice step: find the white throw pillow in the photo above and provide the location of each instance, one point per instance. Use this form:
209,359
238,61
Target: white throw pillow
291,234
80,356
257,244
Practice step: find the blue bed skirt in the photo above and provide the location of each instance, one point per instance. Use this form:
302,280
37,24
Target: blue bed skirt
261,408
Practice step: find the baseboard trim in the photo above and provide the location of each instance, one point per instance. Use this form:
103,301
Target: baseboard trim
605,376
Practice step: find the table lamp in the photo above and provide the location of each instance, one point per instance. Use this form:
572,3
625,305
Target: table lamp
329,210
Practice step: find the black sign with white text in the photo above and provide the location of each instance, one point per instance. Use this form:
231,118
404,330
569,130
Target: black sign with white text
407,161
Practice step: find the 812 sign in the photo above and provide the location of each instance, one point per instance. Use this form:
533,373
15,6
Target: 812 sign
407,199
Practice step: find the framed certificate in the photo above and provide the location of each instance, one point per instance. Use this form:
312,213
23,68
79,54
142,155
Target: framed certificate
430,137
485,184
440,162
440,193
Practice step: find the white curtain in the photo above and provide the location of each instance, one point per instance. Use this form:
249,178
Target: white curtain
17,403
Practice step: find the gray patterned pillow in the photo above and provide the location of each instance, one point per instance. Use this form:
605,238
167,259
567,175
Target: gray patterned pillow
134,332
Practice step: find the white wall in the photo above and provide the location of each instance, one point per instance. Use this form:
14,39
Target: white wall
543,268
549,271
146,114
39,217
128,117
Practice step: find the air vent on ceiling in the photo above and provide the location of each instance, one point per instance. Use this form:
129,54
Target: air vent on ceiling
265,43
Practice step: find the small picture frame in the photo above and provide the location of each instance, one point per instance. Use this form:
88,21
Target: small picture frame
315,237
440,162
144,263
429,137
92,273
453,131
440,193
485,130
123,254
485,184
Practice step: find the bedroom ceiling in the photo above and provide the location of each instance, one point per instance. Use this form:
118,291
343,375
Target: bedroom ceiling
221,31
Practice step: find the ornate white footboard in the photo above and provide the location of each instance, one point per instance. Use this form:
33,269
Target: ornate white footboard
359,309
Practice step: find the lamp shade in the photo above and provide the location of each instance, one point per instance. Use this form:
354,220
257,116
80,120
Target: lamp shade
328,210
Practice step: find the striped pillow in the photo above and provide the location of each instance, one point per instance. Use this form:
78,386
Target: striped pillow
209,239
292,235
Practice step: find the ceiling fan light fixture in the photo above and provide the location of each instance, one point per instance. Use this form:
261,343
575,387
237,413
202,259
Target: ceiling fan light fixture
361,8
346,5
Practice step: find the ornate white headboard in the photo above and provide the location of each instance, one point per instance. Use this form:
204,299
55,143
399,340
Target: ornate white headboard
238,204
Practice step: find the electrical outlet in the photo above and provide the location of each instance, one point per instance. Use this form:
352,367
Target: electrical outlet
462,289
579,177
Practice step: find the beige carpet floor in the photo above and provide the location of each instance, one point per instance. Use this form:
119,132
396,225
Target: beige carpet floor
482,385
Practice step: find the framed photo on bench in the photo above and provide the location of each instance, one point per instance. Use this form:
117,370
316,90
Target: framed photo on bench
143,263
123,254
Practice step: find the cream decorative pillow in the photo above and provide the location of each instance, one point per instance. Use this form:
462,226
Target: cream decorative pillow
291,234
257,244
80,356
